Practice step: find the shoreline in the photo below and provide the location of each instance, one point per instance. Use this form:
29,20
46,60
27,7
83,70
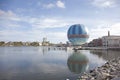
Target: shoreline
109,71
101,48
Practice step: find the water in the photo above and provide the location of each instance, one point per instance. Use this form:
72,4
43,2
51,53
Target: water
44,63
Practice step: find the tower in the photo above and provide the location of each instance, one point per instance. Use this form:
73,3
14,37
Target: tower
44,39
108,33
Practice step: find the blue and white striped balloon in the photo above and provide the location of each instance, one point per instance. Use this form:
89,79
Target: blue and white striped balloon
77,34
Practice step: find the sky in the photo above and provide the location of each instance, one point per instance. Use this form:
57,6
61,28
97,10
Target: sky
31,20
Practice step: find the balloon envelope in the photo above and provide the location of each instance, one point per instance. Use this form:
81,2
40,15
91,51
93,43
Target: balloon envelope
77,34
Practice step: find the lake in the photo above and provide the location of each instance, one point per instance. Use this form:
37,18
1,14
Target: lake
49,63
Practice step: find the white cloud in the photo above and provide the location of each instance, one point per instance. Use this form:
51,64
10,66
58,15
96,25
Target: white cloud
102,31
48,6
60,4
8,19
97,28
21,10
104,3
10,25
11,32
32,35
97,33
47,20
57,36
115,29
48,23
8,15
16,35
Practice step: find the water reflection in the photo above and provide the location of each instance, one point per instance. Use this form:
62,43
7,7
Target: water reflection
45,49
57,63
29,63
77,62
106,54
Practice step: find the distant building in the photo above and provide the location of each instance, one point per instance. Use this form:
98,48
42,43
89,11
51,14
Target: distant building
44,39
85,45
40,44
26,43
68,44
95,43
45,42
111,41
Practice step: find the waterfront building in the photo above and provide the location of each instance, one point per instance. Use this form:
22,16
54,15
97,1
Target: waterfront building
111,41
106,42
45,42
95,43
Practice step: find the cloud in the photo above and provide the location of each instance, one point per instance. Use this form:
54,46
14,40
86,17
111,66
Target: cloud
38,27
32,35
8,20
12,27
48,6
104,3
115,29
60,4
17,35
8,15
100,31
9,25
21,10
42,23
57,36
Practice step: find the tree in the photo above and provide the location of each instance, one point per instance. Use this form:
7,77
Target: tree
34,44
2,43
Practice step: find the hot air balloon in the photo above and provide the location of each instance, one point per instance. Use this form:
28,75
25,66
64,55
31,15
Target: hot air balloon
77,34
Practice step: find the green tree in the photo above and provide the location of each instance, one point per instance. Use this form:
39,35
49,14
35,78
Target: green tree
34,44
2,43
17,43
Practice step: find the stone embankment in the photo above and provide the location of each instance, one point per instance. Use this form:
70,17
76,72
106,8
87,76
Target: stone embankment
109,71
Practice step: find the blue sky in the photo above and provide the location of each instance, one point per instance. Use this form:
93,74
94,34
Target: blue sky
31,20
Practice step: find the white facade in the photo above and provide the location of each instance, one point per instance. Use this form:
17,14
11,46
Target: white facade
111,41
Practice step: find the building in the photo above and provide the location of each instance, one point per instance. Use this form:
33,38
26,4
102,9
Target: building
111,41
45,42
95,43
68,44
